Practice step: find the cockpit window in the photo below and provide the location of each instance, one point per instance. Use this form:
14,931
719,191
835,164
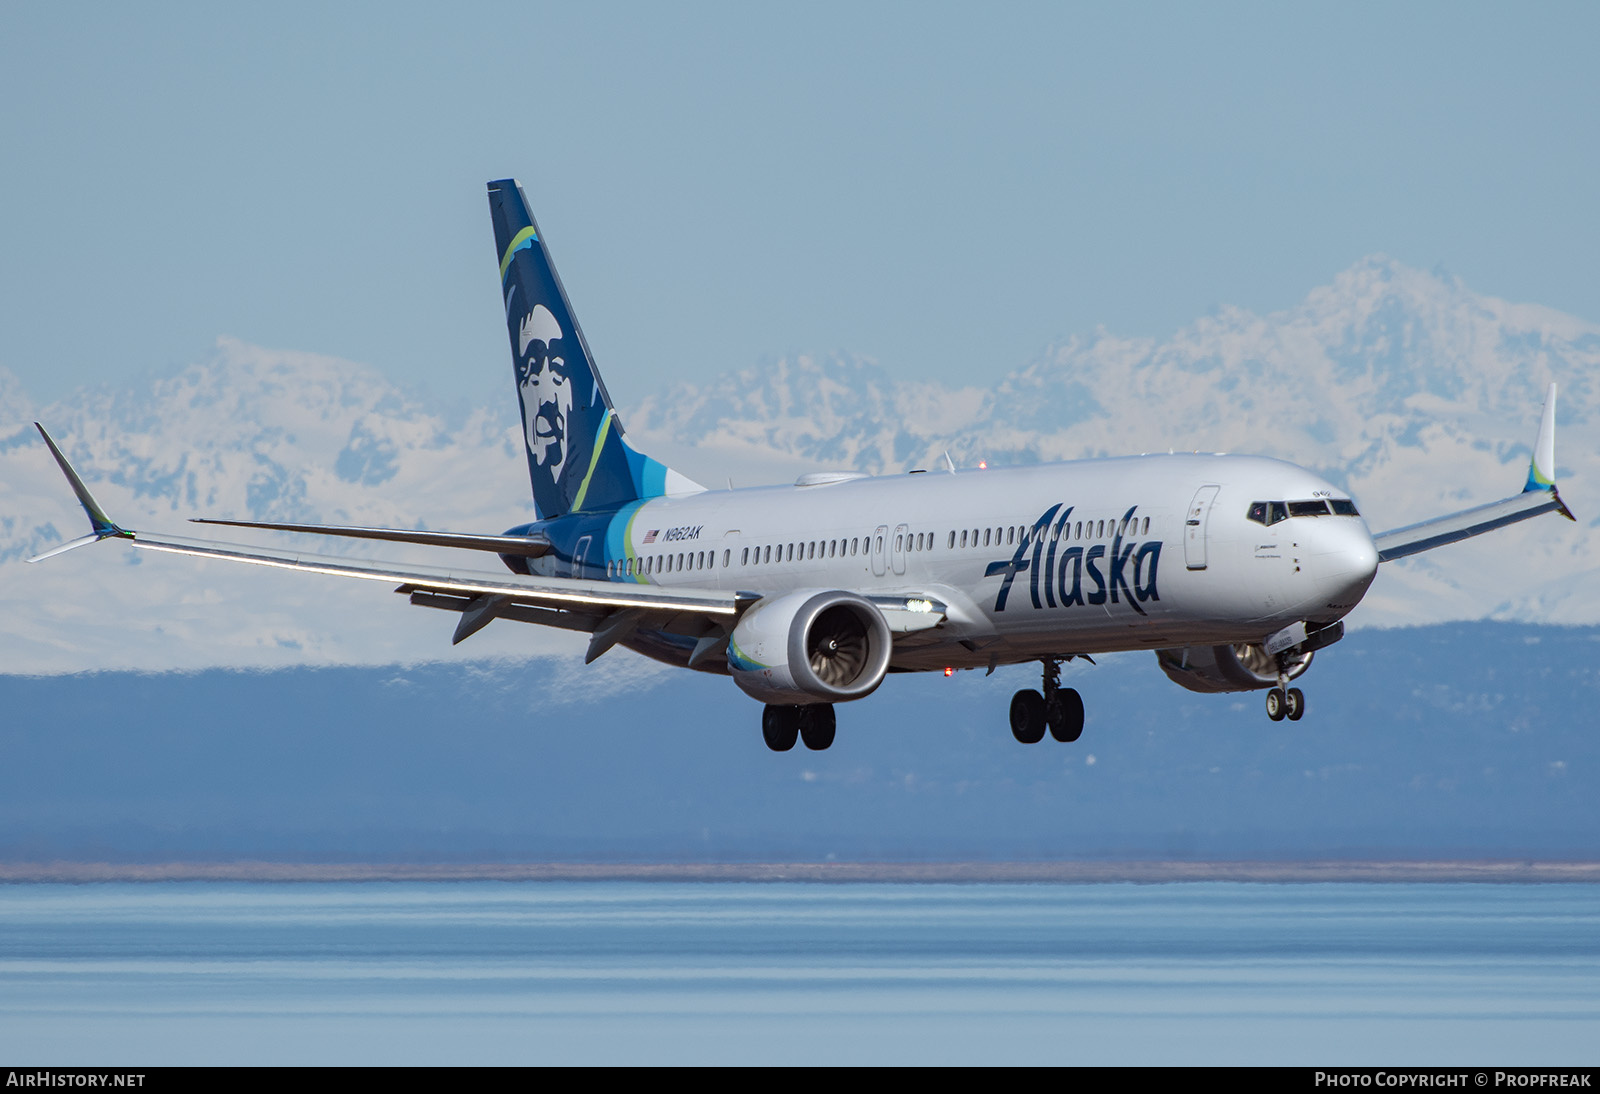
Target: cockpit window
1268,512
1271,512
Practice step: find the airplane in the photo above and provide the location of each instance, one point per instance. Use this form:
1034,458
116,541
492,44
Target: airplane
1234,570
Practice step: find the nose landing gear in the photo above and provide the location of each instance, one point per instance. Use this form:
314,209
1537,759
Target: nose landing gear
1059,709
1281,703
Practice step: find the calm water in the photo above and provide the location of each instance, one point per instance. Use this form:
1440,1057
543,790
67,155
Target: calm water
499,972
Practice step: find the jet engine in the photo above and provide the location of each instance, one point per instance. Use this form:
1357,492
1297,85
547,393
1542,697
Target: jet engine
1243,667
811,646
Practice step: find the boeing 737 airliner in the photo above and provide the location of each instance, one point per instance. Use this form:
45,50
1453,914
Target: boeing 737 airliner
1235,570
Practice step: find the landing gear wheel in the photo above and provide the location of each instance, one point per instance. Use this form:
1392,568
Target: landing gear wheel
1295,701
1027,716
1276,702
817,724
780,726
1066,715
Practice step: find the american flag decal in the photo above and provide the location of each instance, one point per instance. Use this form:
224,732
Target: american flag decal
650,536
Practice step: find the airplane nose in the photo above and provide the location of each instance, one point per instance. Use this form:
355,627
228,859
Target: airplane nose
1345,562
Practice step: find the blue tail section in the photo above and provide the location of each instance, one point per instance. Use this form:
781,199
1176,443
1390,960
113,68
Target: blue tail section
577,458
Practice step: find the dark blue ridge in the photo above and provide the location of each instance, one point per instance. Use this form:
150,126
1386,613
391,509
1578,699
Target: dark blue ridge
1464,740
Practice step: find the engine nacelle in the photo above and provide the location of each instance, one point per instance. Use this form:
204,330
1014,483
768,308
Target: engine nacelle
1244,667
811,646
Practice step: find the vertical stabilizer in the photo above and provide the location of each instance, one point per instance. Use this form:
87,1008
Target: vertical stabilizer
577,458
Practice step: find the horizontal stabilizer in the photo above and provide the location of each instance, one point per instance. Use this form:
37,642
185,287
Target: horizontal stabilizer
529,546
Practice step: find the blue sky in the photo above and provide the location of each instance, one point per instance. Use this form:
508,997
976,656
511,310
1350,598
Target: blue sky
945,188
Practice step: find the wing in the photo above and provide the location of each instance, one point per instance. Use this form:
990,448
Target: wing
608,611
1538,496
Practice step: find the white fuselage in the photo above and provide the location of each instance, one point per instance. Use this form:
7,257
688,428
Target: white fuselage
1143,552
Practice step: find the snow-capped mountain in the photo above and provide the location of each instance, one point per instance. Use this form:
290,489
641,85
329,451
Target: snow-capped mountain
1416,393
1407,387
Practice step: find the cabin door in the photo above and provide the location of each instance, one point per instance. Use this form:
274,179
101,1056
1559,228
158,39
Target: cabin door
899,547
880,550
1194,527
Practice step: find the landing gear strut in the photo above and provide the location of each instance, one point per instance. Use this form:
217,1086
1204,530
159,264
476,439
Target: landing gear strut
1059,709
781,726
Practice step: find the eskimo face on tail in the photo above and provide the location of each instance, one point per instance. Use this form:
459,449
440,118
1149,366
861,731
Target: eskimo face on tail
546,389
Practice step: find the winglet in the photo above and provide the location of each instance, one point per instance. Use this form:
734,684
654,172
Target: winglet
102,526
1542,468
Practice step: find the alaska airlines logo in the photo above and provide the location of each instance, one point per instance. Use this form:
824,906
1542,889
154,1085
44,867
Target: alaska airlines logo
1057,572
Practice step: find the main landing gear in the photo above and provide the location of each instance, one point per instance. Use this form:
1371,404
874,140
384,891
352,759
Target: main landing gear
1059,709
781,725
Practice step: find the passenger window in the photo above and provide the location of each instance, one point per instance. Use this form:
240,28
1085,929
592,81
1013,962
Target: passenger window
1146,531
744,556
